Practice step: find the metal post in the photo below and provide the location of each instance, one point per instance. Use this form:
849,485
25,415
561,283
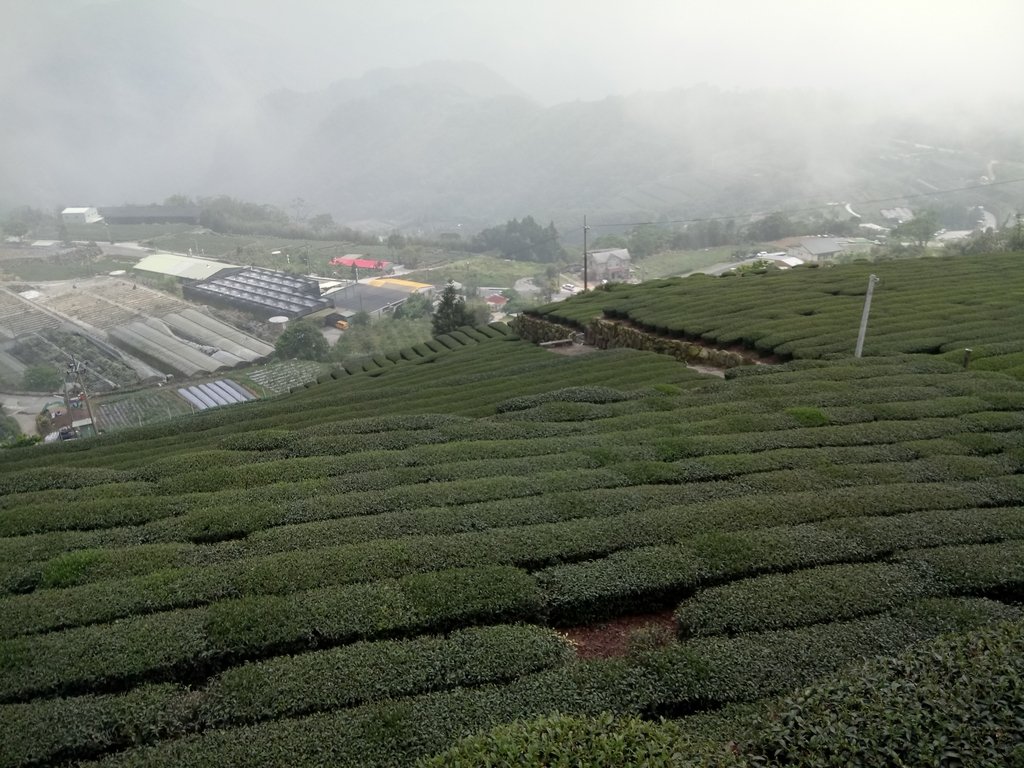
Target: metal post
872,280
585,228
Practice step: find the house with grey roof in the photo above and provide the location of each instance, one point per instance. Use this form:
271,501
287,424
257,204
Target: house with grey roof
608,264
819,249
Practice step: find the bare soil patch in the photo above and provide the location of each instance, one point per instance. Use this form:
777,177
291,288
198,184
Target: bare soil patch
619,636
573,350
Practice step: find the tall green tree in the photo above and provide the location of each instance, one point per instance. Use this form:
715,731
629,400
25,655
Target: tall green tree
646,240
301,339
416,306
451,311
524,240
774,226
920,229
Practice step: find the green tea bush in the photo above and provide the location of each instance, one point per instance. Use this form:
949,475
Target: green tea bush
672,679
365,671
42,479
181,644
995,569
956,701
809,596
562,741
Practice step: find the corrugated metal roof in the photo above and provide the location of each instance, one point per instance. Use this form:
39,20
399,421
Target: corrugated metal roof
184,267
361,297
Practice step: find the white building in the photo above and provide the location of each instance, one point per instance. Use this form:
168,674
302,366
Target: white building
80,215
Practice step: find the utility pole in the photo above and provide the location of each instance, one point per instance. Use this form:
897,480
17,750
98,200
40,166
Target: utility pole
872,280
585,228
74,371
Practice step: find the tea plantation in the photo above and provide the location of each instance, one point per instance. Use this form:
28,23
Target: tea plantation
932,306
379,568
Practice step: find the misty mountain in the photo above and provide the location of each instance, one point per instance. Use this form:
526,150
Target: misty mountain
122,101
136,100
422,147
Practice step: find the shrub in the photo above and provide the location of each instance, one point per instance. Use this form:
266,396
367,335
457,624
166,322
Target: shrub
956,701
677,678
810,596
603,741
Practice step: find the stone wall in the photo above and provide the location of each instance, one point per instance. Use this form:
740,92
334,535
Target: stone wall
606,334
538,331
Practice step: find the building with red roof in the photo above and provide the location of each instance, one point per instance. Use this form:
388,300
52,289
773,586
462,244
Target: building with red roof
496,301
360,262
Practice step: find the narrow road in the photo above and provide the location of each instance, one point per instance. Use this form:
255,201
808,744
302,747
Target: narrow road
23,408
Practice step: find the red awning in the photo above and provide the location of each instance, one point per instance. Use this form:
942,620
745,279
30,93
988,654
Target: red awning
349,261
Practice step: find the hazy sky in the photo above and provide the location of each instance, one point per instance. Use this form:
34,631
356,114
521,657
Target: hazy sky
85,83
560,50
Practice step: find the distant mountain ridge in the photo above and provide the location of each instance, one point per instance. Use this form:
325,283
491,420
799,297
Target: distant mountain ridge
148,99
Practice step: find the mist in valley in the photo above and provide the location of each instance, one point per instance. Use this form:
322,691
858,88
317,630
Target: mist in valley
429,117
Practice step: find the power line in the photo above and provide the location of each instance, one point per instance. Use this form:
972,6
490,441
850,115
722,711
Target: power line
788,211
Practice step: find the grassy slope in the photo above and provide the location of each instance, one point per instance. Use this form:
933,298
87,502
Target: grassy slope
477,482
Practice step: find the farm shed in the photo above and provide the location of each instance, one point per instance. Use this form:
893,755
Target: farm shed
242,346
817,248
409,286
372,299
182,267
264,292
164,350
214,393
80,215
782,261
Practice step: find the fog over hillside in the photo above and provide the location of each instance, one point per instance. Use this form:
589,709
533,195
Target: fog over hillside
404,116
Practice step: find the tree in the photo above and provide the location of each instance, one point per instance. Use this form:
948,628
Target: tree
451,311
396,242
774,226
1016,240
522,240
303,340
416,306
608,241
646,240
9,429
16,228
920,229
477,312
322,221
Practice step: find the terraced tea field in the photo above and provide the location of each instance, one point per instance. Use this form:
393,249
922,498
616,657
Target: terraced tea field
373,567
929,306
